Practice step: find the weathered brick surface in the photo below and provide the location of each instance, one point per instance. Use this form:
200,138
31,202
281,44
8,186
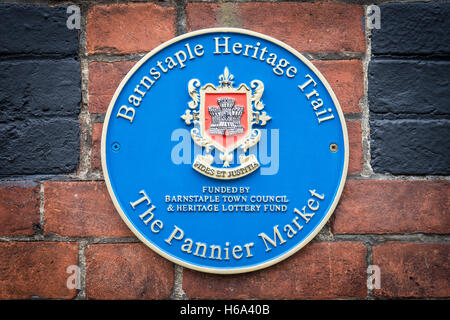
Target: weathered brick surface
206,16
383,207
413,270
39,146
319,271
409,28
81,209
127,271
41,94
402,86
308,27
356,157
129,28
104,78
40,97
346,79
36,269
39,88
96,159
414,147
19,207
400,89
30,29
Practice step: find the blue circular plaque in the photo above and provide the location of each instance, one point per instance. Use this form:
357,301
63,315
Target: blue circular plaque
224,150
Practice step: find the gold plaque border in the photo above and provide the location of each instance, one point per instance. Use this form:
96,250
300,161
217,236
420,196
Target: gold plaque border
210,269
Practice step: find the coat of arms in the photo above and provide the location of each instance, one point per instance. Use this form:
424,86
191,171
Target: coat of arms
223,119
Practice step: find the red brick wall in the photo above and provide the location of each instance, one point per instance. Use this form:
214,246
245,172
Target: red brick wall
399,223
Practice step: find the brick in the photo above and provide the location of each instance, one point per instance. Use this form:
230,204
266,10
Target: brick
39,146
127,271
129,28
19,208
308,27
356,157
29,29
390,207
81,209
413,270
321,270
408,28
39,88
96,161
104,78
204,15
346,80
410,146
36,269
400,89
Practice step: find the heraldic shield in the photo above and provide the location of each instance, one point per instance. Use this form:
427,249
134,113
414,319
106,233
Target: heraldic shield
223,119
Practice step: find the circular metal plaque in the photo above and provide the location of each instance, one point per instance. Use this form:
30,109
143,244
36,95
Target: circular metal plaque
224,150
